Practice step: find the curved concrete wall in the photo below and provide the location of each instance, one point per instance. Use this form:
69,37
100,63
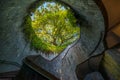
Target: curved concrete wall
14,48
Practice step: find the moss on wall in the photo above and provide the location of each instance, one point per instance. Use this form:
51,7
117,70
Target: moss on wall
111,66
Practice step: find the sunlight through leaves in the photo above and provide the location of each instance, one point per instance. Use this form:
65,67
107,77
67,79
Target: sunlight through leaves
52,27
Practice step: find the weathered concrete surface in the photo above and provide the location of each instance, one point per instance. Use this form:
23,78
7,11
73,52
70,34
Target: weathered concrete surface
94,76
91,65
92,29
62,69
13,46
110,65
90,43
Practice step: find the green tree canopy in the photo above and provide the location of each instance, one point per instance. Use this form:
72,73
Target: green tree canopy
54,27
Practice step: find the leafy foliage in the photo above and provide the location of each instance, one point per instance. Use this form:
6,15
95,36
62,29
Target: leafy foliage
51,28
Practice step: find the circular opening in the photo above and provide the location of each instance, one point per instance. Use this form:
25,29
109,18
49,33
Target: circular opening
51,27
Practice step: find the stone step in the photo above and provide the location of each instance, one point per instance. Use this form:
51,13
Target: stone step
8,75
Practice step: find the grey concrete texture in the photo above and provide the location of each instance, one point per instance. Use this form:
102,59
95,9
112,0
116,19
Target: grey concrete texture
110,64
89,66
13,46
94,76
90,43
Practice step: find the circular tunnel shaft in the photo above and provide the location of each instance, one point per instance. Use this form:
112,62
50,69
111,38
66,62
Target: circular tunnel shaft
14,47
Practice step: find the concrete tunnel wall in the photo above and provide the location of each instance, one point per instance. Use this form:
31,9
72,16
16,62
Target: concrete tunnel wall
13,47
